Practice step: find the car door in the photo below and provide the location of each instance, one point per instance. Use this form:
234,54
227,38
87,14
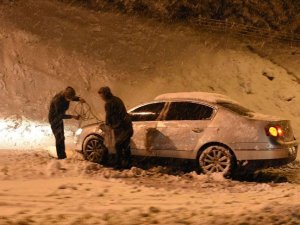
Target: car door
145,119
183,125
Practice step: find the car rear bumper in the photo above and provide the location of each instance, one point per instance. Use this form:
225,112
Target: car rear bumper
285,153
259,159
253,165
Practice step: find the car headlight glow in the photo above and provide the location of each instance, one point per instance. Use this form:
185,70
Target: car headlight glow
78,132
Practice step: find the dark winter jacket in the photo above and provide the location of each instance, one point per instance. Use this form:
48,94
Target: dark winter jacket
116,114
58,107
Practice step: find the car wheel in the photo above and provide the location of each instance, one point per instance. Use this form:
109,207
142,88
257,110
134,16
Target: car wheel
94,149
217,159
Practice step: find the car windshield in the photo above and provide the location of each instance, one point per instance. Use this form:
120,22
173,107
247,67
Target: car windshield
241,110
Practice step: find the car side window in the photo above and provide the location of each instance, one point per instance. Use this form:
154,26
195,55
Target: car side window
188,111
149,112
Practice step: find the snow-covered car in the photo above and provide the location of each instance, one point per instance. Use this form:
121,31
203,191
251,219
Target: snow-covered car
212,129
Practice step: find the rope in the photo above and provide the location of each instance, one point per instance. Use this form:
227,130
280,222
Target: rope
85,112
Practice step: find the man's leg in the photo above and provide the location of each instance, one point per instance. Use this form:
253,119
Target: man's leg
127,153
58,131
122,144
119,154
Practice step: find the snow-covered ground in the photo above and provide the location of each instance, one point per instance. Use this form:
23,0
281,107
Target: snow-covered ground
38,189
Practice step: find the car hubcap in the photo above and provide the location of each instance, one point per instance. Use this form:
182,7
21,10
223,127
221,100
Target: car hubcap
215,160
94,150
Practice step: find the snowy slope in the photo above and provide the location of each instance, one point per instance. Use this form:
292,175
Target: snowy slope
272,14
46,46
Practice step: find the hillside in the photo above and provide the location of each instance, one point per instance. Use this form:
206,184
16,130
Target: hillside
280,15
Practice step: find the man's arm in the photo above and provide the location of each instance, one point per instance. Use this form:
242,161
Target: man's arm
63,115
66,117
78,99
56,109
75,99
108,114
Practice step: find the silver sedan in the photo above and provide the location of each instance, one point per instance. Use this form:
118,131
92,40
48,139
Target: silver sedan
212,129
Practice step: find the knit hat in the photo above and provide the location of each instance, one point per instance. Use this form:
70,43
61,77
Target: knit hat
70,93
105,91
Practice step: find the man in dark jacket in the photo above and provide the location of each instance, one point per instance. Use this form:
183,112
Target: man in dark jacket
118,119
57,113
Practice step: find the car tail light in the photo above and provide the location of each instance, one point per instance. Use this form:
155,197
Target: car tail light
274,131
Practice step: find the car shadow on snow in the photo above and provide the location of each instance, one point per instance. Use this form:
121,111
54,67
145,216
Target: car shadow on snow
165,166
289,173
179,167
260,177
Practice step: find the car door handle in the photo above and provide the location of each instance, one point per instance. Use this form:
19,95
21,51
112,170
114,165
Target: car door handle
198,130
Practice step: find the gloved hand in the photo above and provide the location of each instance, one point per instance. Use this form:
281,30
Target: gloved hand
104,127
82,100
76,117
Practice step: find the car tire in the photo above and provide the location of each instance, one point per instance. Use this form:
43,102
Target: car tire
217,159
94,149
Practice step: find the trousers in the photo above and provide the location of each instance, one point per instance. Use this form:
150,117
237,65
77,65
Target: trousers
122,144
123,151
58,132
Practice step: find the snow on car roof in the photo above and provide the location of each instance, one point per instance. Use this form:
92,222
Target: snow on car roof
199,96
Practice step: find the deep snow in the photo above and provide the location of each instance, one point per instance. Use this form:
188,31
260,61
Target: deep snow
37,189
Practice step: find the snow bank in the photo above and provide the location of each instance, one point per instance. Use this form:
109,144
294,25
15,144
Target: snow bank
38,189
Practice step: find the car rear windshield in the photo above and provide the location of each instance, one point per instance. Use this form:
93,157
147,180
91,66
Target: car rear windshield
241,110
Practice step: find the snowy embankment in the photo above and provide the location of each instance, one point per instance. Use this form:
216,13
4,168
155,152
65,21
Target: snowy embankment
37,189
46,46
280,15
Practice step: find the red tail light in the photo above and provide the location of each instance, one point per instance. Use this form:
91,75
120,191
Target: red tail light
274,131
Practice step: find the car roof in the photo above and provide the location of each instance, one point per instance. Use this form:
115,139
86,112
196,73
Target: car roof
196,96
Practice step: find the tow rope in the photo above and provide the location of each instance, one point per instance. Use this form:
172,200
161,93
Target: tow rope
85,113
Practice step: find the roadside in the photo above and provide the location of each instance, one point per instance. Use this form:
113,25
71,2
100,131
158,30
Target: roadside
36,189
